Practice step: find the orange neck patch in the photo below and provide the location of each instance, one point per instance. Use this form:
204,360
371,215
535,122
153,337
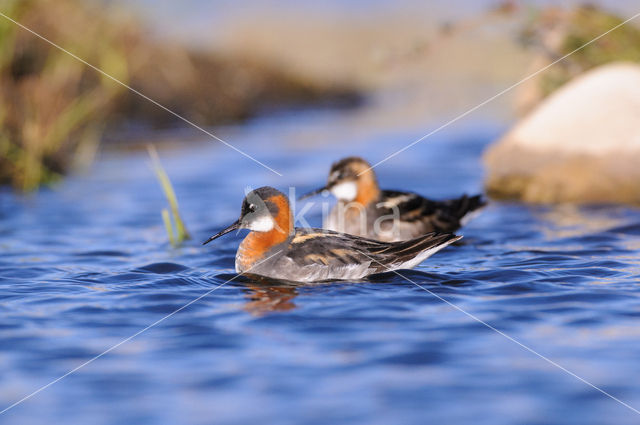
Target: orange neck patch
368,190
254,247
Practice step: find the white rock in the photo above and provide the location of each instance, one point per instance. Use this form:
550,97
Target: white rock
580,144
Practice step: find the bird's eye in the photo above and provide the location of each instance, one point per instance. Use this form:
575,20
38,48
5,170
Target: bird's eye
252,208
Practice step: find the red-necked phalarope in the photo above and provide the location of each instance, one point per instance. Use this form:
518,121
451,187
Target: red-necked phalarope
365,210
275,249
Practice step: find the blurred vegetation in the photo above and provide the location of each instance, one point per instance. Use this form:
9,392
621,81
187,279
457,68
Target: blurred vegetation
49,101
555,32
176,229
55,109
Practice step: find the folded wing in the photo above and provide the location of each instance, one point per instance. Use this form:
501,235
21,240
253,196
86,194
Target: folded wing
441,216
350,255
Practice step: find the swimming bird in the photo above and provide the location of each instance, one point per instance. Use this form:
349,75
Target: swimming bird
275,249
387,215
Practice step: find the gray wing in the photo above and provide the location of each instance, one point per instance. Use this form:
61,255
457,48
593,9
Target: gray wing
320,246
332,255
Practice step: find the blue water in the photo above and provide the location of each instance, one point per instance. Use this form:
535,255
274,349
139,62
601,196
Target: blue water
87,264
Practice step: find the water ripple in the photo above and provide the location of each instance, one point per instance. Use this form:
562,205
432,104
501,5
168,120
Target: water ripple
563,281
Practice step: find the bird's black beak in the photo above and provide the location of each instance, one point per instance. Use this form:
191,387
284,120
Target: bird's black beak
231,228
313,193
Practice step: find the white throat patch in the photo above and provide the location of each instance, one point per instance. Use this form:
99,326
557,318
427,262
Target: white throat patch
346,191
262,224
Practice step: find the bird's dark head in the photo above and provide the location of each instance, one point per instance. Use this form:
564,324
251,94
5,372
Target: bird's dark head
263,210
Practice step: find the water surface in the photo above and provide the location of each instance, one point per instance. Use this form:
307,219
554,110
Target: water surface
86,265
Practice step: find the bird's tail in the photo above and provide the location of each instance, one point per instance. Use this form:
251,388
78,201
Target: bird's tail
409,253
463,207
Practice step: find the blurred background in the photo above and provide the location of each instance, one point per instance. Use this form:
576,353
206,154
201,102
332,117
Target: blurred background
94,248
396,66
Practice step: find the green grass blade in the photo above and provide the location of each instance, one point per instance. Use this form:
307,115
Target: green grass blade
169,227
181,234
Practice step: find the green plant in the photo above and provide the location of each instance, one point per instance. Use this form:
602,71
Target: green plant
176,229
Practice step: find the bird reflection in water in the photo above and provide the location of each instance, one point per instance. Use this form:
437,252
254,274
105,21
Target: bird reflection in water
267,298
